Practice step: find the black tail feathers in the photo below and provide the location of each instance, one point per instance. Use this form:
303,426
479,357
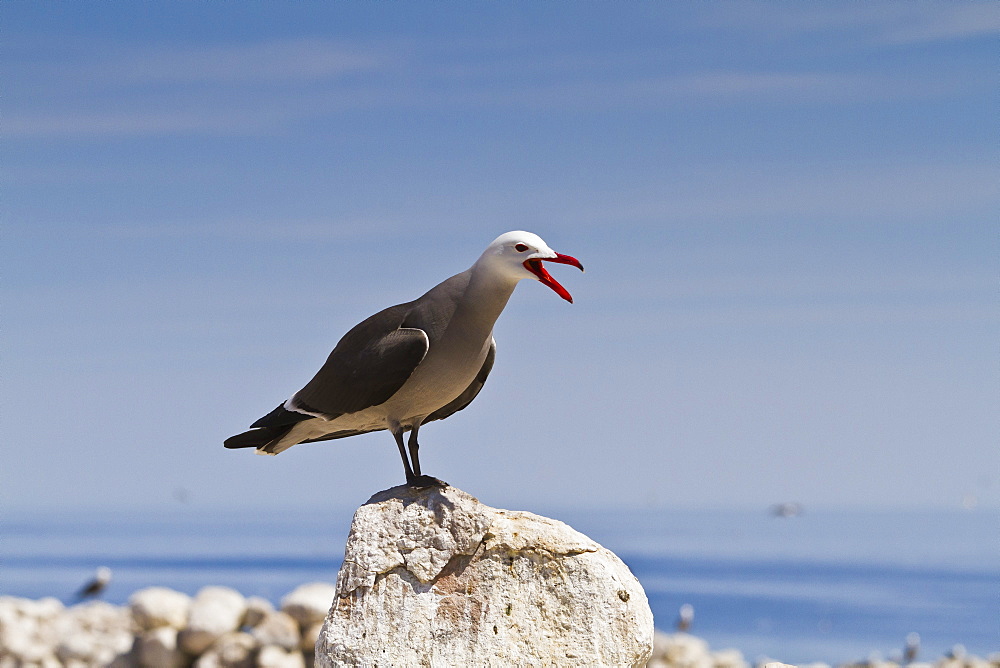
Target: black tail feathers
255,438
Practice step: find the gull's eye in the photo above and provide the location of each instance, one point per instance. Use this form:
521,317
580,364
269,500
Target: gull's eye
520,248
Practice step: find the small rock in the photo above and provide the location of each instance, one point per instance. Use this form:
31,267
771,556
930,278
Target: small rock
47,608
273,656
76,647
257,609
158,606
309,603
214,611
277,628
157,648
232,650
310,635
679,649
93,633
728,658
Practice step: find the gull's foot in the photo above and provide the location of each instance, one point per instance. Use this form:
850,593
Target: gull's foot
424,481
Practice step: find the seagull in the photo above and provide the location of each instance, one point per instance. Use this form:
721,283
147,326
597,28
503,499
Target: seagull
912,648
412,363
684,617
94,588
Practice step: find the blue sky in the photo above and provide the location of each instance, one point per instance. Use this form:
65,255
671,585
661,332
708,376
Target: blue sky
787,211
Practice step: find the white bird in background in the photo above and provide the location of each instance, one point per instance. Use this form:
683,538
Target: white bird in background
412,363
684,617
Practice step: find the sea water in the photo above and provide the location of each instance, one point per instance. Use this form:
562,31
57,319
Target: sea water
833,586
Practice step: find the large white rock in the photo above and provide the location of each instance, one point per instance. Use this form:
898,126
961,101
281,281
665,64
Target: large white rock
158,606
309,603
433,577
214,612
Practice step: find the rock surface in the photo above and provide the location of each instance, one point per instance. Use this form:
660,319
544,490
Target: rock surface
434,577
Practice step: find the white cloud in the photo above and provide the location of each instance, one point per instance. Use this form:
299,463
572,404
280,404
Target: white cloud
81,124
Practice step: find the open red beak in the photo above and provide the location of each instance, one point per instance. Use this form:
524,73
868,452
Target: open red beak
534,265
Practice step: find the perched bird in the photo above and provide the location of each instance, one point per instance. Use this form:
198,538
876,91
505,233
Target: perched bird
912,648
684,617
94,588
412,363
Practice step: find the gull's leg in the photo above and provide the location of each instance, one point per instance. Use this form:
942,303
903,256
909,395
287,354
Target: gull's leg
419,480
414,448
397,433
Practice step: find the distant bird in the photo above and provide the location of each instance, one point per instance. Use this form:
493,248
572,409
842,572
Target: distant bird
412,363
786,509
96,586
684,617
912,648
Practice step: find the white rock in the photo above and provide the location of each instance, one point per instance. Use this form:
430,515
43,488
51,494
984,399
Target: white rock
47,608
232,650
257,609
433,577
158,606
277,628
309,603
214,611
680,649
94,633
729,658
272,656
18,633
157,648
76,647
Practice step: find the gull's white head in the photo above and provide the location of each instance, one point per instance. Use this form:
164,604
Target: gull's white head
519,255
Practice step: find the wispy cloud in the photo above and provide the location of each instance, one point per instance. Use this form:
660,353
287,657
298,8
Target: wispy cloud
872,23
87,90
267,109
848,193
84,124
116,64
83,89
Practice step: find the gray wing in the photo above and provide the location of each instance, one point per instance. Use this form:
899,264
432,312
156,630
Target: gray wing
374,359
470,392
368,366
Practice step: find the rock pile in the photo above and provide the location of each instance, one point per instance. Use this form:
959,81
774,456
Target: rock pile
46,634
682,650
162,628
